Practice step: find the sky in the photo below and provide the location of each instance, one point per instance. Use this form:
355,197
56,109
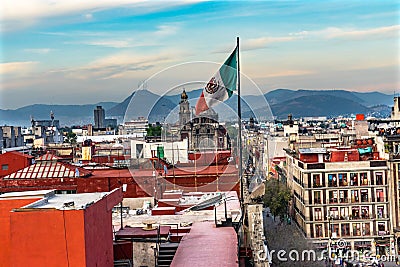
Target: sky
80,52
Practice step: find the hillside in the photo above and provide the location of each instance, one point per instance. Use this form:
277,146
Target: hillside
317,105
142,103
366,99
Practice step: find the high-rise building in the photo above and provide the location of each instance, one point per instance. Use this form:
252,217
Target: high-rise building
99,117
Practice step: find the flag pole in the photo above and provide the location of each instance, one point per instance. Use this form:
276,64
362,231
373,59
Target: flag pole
239,123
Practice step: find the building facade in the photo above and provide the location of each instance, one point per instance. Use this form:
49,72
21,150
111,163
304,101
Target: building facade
340,195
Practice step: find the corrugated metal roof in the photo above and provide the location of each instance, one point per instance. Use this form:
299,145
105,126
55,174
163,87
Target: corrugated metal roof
49,169
312,150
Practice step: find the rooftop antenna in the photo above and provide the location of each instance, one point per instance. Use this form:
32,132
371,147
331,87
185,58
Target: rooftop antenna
142,85
32,121
52,123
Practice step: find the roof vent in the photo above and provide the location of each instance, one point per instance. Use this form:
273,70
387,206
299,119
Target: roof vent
69,204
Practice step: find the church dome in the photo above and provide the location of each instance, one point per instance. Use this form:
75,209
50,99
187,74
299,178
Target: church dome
184,95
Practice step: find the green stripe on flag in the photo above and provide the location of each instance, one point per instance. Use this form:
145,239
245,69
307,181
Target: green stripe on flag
228,73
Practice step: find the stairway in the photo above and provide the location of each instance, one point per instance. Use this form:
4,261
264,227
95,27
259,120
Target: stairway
166,254
123,263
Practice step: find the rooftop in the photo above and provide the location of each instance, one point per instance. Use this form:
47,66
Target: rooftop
27,194
67,201
312,150
48,167
206,245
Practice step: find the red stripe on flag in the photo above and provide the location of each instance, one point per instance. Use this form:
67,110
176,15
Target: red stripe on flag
201,104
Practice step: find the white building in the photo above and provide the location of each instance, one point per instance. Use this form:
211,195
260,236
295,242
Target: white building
173,151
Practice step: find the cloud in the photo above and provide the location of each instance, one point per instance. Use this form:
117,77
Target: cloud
352,34
17,68
110,43
288,73
88,16
262,42
117,65
38,50
165,30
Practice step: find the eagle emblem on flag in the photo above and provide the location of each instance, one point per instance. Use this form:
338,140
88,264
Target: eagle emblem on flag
212,86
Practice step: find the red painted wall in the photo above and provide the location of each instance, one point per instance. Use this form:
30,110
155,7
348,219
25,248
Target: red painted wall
6,205
15,161
109,180
339,155
51,237
308,158
47,237
18,185
99,235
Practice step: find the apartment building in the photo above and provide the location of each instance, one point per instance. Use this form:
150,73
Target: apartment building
342,193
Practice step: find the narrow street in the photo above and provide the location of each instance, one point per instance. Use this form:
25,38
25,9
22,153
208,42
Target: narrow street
287,237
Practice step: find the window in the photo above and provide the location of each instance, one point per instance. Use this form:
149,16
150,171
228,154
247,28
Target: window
334,212
365,212
317,180
381,228
364,195
344,213
379,195
354,196
354,179
332,180
318,230
318,214
380,212
366,230
356,229
345,231
4,167
333,196
343,196
355,213
335,230
378,178
364,178
317,197
342,179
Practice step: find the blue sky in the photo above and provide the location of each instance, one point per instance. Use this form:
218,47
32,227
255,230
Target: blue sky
65,52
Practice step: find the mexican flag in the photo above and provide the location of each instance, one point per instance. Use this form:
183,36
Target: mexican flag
221,85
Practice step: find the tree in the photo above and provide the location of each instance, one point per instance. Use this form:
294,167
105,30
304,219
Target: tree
71,138
153,130
277,197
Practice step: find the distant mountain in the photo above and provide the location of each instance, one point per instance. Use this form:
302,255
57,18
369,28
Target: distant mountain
366,99
317,105
157,108
375,98
143,103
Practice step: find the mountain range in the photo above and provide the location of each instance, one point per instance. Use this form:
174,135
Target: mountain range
280,101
